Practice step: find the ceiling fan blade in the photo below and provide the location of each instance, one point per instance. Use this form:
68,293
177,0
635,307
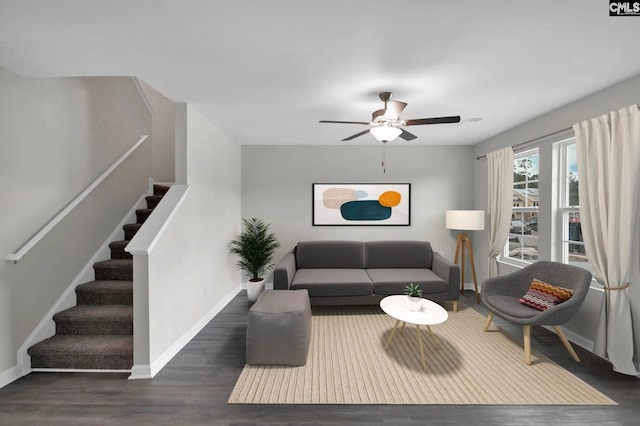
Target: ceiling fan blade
433,120
394,109
407,136
364,132
344,122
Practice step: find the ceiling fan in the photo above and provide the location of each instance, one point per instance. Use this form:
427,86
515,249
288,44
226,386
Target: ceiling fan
387,124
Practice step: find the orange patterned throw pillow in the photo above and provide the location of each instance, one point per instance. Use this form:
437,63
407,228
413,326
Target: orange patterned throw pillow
543,295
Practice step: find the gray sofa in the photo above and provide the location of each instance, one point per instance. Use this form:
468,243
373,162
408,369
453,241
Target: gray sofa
361,273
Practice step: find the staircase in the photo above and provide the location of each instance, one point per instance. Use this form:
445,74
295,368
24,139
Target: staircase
97,333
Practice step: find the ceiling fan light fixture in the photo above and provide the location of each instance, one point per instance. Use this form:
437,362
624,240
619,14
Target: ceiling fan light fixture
385,132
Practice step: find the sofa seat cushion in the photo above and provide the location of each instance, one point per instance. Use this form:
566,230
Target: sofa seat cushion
333,282
394,280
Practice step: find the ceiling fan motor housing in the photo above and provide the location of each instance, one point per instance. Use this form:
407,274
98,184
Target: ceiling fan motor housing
385,96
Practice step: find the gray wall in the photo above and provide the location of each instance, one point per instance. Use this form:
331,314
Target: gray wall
183,291
163,125
276,187
183,275
612,98
57,135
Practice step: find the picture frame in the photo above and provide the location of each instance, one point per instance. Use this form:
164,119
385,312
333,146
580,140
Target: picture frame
358,204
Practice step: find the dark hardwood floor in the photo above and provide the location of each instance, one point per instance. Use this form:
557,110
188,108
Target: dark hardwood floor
193,389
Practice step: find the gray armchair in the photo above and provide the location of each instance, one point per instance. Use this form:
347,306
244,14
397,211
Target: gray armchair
501,297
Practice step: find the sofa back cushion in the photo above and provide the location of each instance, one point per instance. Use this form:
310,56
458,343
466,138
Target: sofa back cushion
330,254
398,254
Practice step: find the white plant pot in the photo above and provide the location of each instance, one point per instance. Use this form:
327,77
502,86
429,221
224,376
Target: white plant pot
254,288
413,303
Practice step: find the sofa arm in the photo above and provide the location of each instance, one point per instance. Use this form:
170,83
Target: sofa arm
448,271
284,272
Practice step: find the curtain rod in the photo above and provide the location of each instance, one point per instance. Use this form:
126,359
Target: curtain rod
530,141
482,157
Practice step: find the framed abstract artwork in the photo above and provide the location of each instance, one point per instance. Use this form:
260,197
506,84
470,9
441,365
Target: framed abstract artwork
361,204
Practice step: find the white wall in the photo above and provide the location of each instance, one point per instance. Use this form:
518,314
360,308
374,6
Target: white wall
276,187
162,134
190,273
56,136
612,98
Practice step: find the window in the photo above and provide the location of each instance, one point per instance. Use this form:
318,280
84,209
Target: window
523,232
573,251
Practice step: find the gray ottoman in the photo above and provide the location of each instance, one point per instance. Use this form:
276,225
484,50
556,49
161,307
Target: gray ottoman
279,329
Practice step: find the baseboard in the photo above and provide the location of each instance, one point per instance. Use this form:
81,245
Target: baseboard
140,372
149,371
76,370
46,327
575,338
10,375
470,287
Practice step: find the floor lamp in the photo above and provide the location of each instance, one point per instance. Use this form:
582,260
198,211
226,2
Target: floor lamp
465,220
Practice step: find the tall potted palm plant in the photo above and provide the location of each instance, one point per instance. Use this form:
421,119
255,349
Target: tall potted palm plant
255,247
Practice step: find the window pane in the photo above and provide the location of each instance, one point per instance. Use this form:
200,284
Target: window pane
572,192
574,249
531,223
525,181
523,240
574,226
525,168
572,177
576,253
523,247
517,225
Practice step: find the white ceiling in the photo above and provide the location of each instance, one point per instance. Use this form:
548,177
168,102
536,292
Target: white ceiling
267,71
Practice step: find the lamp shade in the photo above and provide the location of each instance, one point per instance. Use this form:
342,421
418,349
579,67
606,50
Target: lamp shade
385,133
465,220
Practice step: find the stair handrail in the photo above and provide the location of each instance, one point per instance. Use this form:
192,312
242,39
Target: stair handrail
15,257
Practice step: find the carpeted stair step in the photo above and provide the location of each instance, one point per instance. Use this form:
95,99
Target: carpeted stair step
114,269
117,250
130,230
153,200
95,320
98,332
143,214
160,189
105,292
83,352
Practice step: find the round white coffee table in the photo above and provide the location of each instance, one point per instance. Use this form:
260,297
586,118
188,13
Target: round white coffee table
430,313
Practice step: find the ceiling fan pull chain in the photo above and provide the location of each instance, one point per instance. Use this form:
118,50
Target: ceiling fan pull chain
384,169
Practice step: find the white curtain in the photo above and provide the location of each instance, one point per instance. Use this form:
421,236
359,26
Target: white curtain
500,164
608,154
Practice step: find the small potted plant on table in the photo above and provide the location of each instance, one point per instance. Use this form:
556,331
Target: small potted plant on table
255,246
414,294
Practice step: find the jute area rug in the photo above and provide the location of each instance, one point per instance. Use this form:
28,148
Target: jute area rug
347,364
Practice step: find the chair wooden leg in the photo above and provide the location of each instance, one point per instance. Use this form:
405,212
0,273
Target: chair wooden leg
455,306
566,343
488,323
526,333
